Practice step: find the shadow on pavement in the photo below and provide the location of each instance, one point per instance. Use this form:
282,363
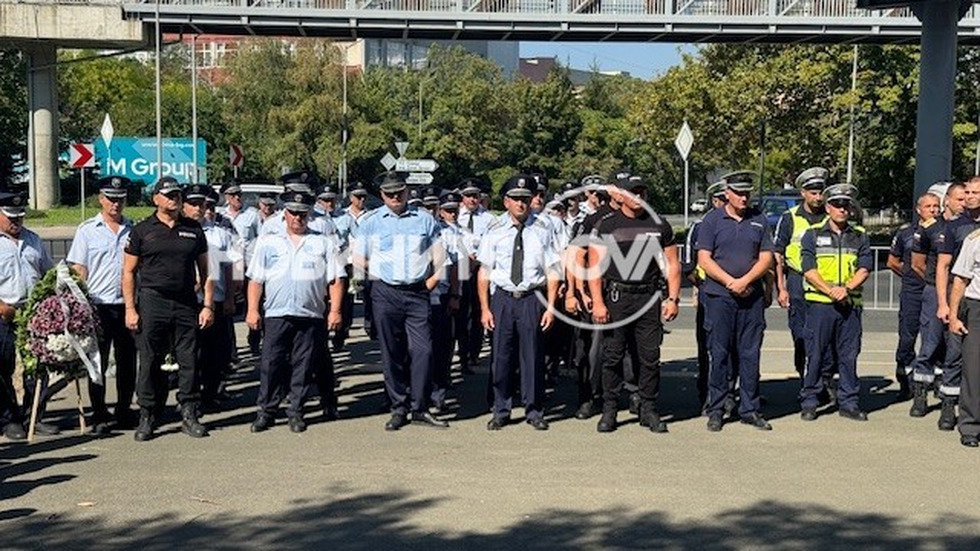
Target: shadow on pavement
16,462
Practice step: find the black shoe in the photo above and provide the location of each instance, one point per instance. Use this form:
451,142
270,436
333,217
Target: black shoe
297,424
538,423
330,414
189,424
635,403
947,416
14,431
46,429
144,431
808,414
126,418
920,400
904,388
397,421
262,422
756,421
607,423
969,441
497,423
437,409
729,408
650,419
101,428
853,414
426,418
715,422
586,410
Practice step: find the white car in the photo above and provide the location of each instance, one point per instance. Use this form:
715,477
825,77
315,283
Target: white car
699,205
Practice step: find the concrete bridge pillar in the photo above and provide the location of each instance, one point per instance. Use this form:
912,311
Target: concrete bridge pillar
42,146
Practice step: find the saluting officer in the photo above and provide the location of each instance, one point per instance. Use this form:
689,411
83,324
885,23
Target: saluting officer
517,286
474,220
399,248
296,269
836,261
789,273
735,250
96,255
633,301
165,253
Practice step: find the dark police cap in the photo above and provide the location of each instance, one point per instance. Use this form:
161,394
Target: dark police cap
631,182
231,187
716,190
844,192
470,185
195,191
569,190
307,177
268,197
813,178
13,205
392,183
299,201
542,183
167,185
592,182
414,196
357,188
742,180
430,194
114,186
519,185
212,195
450,199
327,192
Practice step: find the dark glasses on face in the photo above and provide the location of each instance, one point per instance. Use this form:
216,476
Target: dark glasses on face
471,195
391,194
839,203
298,214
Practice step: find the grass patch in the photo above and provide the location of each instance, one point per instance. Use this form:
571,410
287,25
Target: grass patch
72,216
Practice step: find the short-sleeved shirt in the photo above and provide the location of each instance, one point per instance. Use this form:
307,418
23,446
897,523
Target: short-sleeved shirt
957,231
100,251
689,262
245,222
901,247
451,238
784,228
295,277
967,265
221,252
316,223
23,262
397,247
639,244
735,245
496,253
482,219
167,256
850,240
930,239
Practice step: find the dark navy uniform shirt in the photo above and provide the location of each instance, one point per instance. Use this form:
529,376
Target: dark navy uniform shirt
902,248
956,232
168,256
930,240
734,245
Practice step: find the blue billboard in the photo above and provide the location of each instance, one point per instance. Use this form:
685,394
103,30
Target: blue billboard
136,159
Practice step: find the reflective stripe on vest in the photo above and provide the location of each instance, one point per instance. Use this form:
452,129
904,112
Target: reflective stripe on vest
793,256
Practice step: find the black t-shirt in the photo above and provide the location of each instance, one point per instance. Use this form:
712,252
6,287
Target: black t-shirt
930,239
640,242
168,256
585,226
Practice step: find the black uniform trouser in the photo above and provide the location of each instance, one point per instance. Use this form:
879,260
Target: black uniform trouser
587,369
215,354
292,349
517,331
969,419
112,318
701,338
647,332
735,327
403,322
9,412
909,310
346,311
442,349
469,325
166,321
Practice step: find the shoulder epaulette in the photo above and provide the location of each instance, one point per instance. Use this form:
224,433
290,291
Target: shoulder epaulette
975,234
927,223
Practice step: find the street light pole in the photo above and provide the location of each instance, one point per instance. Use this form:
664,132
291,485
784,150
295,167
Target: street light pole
194,105
850,140
157,40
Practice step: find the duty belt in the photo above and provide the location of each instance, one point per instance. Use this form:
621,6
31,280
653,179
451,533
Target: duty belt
521,294
615,288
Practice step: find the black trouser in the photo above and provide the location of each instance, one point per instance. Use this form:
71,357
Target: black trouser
969,420
442,350
9,412
404,326
214,354
518,352
469,325
112,318
701,338
166,321
588,372
346,311
291,353
647,332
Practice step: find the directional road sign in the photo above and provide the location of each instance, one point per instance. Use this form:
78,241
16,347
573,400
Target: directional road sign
81,155
236,156
419,178
416,165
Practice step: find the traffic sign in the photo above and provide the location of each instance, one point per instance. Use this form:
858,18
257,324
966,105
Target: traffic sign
107,131
684,141
416,165
236,157
388,161
419,178
81,155
401,147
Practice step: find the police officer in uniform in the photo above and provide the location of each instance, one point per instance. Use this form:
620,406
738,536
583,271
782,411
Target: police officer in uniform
836,261
789,275
735,250
96,256
635,296
444,299
910,297
474,220
244,218
399,248
165,253
347,223
964,320
518,286
296,270
326,200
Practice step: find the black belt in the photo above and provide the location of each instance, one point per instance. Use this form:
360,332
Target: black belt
417,286
634,288
520,294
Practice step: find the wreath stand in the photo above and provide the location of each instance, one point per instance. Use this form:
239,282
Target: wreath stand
36,404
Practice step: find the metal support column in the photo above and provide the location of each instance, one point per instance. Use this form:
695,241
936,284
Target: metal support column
42,147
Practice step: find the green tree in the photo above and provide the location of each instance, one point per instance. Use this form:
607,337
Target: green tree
13,115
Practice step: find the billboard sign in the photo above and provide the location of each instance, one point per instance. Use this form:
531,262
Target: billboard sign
136,159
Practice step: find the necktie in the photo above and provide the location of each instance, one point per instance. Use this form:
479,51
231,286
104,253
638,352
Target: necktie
517,258
469,223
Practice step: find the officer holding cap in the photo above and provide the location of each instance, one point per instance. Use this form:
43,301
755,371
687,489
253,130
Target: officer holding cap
166,257
96,256
633,301
296,270
836,261
398,247
25,261
695,274
517,287
735,250
789,275
474,221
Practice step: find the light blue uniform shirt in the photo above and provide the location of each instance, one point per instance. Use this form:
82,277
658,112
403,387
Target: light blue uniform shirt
398,248
246,223
450,237
319,224
23,262
497,249
222,250
100,252
482,221
295,277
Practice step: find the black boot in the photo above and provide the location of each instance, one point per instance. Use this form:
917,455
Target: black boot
144,431
947,416
189,424
904,387
920,400
650,418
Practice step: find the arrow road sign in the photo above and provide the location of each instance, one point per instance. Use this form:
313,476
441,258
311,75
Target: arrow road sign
419,178
81,155
416,165
236,157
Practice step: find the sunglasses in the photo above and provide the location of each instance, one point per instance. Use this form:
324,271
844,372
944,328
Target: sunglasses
471,195
520,199
391,194
839,203
297,213
174,195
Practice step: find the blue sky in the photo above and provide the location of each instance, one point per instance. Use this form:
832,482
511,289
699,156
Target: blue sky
640,60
